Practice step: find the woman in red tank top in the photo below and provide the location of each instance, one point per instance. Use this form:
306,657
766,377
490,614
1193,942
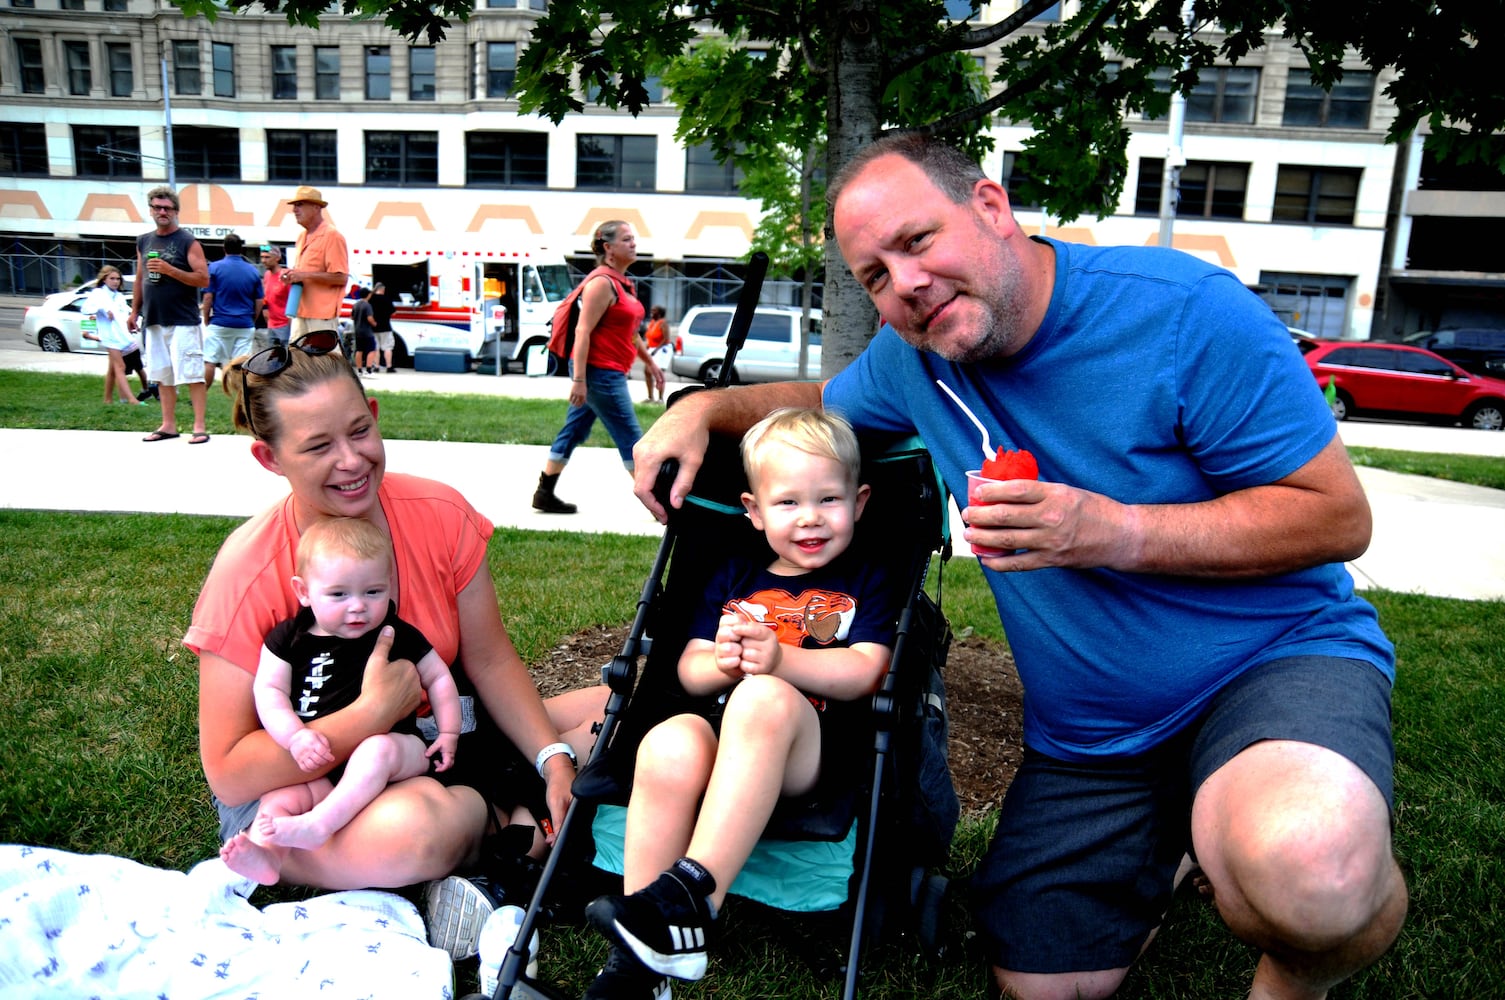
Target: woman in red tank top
606,345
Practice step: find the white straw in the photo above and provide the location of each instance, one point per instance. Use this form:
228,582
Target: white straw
987,443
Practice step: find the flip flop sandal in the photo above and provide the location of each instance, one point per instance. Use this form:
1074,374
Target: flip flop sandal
161,435
197,439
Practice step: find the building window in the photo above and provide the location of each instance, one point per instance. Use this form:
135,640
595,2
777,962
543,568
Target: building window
1316,194
326,73
116,6
29,66
378,72
1016,174
23,3
421,73
106,151
1207,190
70,4
23,149
501,68
706,176
224,68
1345,106
284,72
302,157
1051,13
538,4
1222,93
506,159
616,162
1447,175
402,157
77,65
122,73
206,154
187,74
960,10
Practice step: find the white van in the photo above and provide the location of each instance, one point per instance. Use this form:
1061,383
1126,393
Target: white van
770,354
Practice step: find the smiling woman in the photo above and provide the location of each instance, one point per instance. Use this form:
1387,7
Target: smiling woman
315,427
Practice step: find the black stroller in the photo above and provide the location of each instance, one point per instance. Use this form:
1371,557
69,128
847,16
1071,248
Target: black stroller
897,824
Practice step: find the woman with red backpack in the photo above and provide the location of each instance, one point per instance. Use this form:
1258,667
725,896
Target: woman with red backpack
605,346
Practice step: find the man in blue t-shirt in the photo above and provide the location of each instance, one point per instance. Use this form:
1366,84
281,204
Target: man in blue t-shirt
229,307
1200,677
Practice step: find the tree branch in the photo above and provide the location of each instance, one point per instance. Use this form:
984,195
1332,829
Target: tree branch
1029,82
959,38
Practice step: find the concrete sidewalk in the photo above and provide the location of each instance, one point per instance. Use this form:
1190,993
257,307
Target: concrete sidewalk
1430,536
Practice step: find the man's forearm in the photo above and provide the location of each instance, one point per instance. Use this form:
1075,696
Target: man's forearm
734,410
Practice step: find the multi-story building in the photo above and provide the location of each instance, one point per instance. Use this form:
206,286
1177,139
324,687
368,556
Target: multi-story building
421,147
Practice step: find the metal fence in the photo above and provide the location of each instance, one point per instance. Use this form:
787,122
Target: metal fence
713,285
38,267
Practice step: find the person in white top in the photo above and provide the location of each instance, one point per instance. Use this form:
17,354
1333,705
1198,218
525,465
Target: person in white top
109,309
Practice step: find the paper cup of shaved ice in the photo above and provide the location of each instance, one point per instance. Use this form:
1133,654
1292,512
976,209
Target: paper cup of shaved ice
1003,466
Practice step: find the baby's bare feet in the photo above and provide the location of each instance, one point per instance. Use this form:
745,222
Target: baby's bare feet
303,831
262,865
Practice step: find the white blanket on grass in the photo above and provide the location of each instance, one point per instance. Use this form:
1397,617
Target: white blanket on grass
79,926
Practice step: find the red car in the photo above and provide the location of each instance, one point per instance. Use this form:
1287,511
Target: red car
1394,380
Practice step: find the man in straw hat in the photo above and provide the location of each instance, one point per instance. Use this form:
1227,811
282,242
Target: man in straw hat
322,265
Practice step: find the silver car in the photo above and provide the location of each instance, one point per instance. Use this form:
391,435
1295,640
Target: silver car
771,352
54,326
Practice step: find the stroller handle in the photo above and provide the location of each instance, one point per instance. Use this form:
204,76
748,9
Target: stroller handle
747,303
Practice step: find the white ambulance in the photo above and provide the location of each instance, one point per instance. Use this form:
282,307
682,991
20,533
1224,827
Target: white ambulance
455,295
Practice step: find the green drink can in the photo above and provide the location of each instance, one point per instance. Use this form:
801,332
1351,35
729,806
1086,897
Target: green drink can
152,276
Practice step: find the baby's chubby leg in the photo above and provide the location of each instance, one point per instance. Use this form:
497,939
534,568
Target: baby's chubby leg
376,762
251,853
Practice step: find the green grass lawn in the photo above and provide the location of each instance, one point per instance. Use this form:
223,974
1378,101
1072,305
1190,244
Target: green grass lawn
99,754
72,402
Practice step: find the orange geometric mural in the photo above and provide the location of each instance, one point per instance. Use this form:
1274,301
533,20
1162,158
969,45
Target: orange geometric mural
1072,234
210,205
518,213
596,216
109,208
1217,246
22,201
283,212
400,210
734,220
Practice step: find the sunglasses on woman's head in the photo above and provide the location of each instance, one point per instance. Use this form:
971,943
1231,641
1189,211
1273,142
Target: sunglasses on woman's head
274,361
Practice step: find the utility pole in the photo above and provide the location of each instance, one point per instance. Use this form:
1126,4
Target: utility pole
1175,157
172,170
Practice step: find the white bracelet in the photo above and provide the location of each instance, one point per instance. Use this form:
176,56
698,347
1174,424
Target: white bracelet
549,751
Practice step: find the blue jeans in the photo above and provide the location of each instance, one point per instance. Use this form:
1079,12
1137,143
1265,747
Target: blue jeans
606,396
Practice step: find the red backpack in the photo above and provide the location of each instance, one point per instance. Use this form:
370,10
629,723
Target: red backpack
567,316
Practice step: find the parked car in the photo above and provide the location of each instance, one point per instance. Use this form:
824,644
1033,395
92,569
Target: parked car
771,352
1476,349
54,325
1395,380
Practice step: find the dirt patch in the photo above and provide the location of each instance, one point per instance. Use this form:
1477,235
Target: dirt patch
982,693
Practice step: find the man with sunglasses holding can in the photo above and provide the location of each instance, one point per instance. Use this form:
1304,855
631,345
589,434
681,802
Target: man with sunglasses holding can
170,267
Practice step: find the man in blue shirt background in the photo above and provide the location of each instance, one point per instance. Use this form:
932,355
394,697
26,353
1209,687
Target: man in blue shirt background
229,307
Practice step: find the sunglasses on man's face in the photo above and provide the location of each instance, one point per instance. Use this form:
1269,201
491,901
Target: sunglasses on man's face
275,359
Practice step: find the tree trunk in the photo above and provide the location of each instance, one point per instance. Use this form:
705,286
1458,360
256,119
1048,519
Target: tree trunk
854,92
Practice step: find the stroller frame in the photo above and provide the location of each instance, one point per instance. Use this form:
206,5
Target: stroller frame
908,505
